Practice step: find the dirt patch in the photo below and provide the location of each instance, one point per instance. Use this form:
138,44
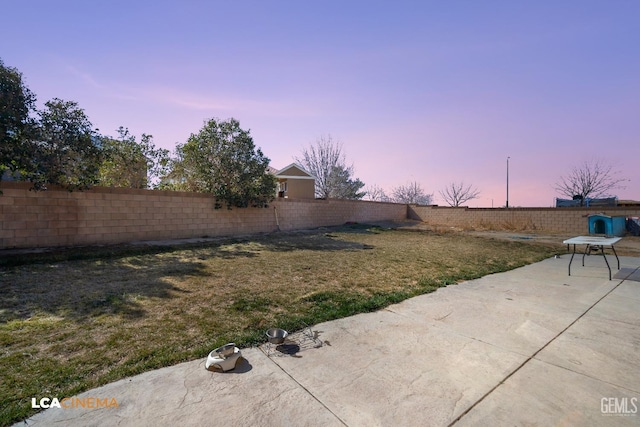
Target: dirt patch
628,246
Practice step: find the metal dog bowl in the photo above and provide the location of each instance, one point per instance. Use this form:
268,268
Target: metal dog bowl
276,335
226,350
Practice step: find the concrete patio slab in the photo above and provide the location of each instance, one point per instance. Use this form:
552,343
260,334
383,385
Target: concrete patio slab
603,349
519,310
256,393
397,368
540,394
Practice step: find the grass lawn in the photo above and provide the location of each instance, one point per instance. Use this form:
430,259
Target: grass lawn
78,320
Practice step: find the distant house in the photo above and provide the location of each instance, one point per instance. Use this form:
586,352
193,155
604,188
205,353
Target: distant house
295,182
578,201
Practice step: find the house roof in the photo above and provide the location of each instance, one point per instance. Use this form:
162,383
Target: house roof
294,171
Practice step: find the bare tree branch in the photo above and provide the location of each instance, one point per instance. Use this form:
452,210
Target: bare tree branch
326,161
376,194
591,179
411,193
457,193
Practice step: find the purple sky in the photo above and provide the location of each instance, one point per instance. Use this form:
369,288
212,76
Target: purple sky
426,91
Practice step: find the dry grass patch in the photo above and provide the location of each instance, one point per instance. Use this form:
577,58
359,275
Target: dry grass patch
68,326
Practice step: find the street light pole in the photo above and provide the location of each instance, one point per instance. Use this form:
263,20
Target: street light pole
507,205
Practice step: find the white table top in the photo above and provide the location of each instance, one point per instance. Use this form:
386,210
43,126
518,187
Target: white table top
592,240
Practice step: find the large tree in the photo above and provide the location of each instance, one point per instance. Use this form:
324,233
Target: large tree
222,160
17,123
327,163
182,174
343,186
56,145
131,163
591,179
65,150
457,193
411,193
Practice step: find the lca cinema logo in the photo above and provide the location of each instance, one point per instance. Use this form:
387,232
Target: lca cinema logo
620,406
74,402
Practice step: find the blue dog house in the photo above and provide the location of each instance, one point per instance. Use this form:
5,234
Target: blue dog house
607,225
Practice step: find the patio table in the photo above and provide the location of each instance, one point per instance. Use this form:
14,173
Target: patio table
594,243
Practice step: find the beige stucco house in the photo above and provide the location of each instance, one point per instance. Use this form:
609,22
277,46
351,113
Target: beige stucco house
295,182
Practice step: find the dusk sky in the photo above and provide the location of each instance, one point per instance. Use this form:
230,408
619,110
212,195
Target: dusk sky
427,91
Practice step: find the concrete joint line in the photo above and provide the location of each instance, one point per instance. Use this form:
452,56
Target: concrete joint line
306,390
532,356
589,376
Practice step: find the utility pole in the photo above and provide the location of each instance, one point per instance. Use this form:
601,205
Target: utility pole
507,205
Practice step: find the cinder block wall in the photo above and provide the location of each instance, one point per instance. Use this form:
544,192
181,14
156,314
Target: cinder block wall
554,220
113,215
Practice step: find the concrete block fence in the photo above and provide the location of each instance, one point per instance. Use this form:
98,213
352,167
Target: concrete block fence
56,217
549,220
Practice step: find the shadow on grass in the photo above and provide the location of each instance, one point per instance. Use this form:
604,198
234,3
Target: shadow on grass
14,258
324,239
316,242
80,290
319,239
84,283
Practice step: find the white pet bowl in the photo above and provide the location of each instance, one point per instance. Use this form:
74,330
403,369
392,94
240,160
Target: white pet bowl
216,361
